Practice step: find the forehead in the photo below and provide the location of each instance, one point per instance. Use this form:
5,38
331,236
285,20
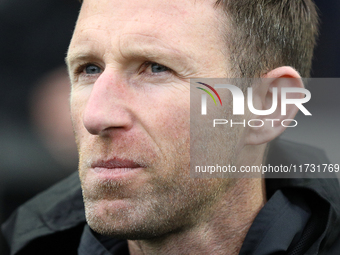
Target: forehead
158,18
160,11
184,33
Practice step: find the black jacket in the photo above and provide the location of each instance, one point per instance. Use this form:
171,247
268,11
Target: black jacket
302,216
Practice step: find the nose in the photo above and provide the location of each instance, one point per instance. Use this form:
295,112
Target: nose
107,106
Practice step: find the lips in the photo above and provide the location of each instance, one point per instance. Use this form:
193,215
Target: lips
115,163
115,166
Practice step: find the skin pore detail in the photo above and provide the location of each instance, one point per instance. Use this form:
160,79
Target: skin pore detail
130,63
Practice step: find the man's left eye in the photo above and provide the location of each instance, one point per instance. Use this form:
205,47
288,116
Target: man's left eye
157,68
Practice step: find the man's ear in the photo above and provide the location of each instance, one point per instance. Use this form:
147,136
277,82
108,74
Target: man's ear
263,97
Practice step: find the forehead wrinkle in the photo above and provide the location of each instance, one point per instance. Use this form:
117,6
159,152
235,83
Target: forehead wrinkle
134,45
81,54
85,45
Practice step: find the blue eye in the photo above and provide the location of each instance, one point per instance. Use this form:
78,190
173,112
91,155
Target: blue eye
157,68
92,69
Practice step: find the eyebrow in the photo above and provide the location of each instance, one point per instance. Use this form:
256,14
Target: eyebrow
79,56
165,55
148,48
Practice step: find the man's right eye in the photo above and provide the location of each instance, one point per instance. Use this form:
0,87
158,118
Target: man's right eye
92,69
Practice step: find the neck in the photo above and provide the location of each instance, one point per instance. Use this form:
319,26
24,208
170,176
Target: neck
221,231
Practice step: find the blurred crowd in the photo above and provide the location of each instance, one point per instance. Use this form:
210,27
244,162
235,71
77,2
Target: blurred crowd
37,147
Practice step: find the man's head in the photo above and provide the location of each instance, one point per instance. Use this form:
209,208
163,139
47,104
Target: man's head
130,63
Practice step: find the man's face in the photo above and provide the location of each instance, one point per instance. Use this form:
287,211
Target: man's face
130,63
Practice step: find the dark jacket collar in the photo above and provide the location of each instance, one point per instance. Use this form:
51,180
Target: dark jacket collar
57,209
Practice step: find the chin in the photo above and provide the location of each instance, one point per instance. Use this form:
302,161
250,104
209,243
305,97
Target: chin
121,220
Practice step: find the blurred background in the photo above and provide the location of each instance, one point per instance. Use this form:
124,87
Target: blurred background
37,148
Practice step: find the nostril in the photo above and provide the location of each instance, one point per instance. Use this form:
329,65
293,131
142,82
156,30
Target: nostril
91,124
101,117
96,117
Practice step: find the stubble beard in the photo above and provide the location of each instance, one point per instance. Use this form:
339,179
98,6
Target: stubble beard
164,205
169,202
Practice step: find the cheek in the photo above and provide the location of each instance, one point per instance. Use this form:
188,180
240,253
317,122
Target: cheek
77,105
174,139
170,119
